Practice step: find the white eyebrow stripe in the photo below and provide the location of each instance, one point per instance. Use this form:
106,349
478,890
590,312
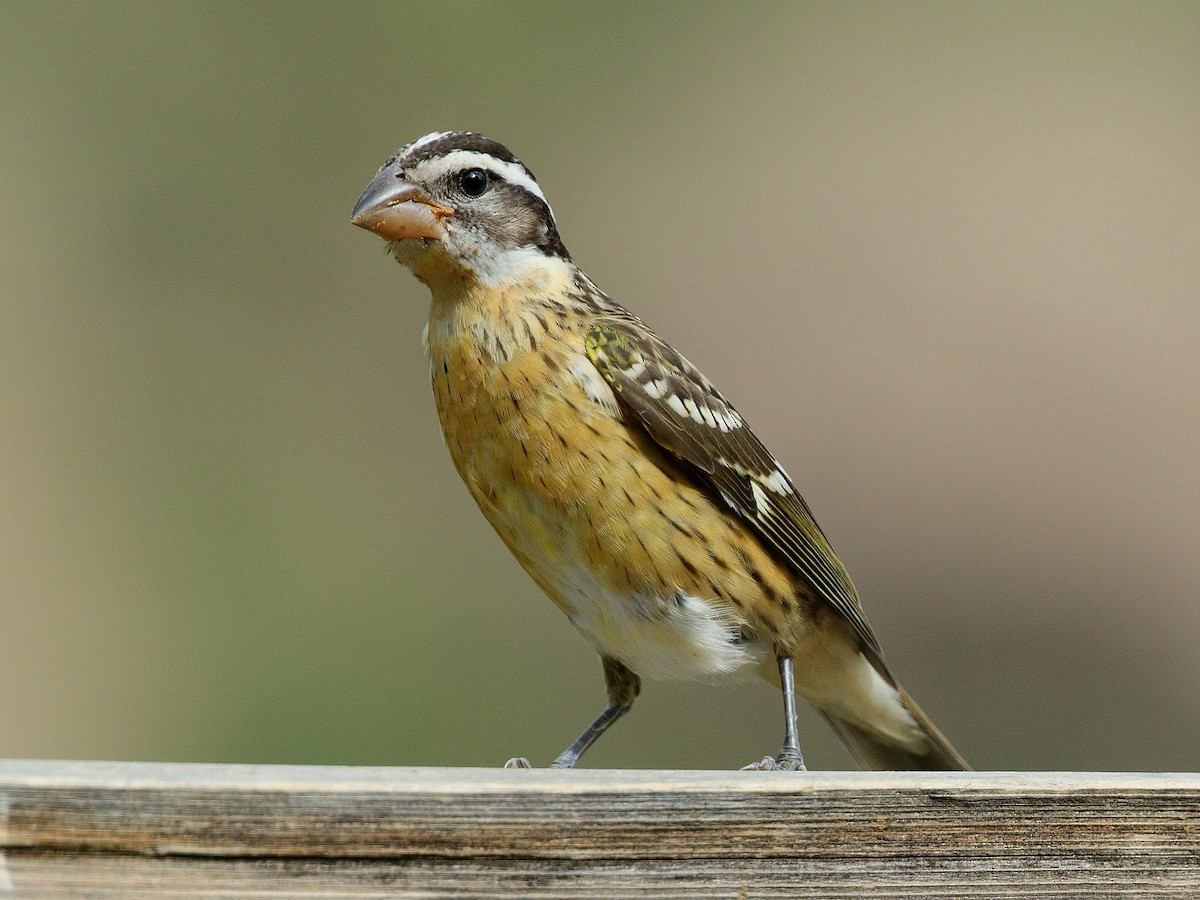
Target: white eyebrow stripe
435,168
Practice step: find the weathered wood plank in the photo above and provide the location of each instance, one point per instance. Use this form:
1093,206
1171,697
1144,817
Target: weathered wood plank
161,830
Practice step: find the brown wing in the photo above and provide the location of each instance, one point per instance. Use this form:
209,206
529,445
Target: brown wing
688,417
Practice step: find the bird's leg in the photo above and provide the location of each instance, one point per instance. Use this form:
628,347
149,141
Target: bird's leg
790,758
623,686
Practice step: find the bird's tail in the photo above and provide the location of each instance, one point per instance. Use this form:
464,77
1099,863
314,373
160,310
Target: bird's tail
873,751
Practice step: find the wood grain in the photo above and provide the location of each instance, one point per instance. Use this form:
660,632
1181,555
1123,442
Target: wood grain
171,830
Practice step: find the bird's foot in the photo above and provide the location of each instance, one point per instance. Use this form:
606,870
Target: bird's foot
520,762
771,764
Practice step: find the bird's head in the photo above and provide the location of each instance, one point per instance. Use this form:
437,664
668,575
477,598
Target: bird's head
457,205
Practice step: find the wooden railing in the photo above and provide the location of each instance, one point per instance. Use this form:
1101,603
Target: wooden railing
90,829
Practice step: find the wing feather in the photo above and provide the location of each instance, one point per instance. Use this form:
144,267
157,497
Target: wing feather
690,419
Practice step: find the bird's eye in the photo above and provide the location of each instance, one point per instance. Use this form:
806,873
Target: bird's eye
473,182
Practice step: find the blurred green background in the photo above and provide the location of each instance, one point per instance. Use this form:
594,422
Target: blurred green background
945,257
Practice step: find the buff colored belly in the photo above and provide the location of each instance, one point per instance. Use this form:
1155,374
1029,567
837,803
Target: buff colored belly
556,474
663,634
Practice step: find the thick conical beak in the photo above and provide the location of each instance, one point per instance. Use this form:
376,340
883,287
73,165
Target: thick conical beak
394,208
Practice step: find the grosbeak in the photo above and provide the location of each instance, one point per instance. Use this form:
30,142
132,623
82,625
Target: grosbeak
621,479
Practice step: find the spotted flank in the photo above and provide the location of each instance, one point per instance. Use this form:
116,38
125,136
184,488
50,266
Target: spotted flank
690,418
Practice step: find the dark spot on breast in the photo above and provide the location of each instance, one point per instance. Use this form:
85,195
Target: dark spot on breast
759,578
679,526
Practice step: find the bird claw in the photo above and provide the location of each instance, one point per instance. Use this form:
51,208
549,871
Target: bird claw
766,764
520,762
770,764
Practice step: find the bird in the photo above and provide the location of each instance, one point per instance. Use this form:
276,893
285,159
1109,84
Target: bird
625,484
